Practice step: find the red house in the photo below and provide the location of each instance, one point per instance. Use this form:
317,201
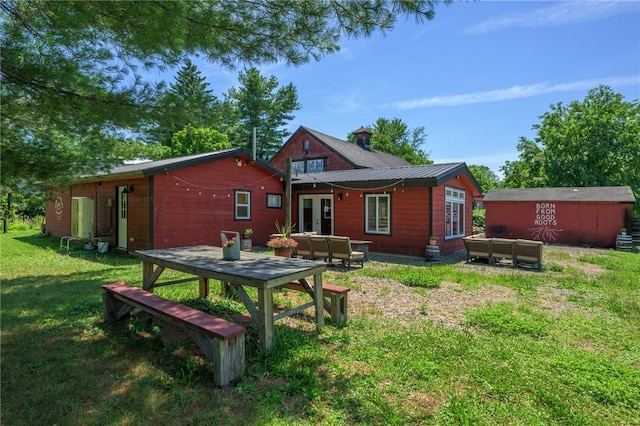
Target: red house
575,216
312,152
338,187
350,189
170,203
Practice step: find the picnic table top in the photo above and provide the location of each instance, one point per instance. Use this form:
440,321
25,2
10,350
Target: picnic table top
207,261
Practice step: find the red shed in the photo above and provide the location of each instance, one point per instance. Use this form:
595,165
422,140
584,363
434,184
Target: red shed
590,216
170,203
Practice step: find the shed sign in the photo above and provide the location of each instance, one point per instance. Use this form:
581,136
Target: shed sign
545,214
544,220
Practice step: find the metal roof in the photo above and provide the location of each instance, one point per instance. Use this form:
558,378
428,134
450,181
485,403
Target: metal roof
422,175
355,154
620,194
149,168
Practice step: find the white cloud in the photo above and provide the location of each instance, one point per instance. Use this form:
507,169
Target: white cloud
515,92
559,14
344,103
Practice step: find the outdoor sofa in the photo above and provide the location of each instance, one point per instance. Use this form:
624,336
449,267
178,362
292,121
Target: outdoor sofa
519,252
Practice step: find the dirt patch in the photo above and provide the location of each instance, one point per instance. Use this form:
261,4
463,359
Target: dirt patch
448,304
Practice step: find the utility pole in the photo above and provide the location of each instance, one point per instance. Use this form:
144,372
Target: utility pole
287,193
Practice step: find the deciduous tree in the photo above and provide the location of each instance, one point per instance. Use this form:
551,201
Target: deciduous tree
394,137
485,177
196,140
594,142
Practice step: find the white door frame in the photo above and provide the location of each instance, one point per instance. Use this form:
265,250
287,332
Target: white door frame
122,213
319,216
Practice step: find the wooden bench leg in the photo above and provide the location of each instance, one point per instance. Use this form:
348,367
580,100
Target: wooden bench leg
203,284
338,310
227,356
114,309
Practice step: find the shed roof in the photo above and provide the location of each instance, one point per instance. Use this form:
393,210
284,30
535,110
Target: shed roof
618,194
421,175
149,168
356,155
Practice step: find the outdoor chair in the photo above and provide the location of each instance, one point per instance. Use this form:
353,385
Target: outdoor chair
341,249
501,249
320,247
303,249
478,248
529,252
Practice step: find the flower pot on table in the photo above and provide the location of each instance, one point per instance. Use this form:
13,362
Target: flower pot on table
232,251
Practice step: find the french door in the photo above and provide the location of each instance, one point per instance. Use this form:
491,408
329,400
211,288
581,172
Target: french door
315,213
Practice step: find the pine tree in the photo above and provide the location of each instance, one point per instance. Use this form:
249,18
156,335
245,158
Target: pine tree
261,104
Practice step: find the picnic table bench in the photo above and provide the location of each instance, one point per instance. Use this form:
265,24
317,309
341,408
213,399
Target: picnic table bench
334,298
221,341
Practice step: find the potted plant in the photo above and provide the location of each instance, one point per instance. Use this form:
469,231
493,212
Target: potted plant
230,246
623,231
433,240
282,244
245,241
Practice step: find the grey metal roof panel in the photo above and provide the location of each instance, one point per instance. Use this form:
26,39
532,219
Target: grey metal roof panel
435,172
356,155
149,168
621,194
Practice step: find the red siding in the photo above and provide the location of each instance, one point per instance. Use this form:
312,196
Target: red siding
105,215
410,218
186,212
58,214
138,224
576,223
293,149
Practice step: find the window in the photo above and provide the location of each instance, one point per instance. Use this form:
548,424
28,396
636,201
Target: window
243,205
315,166
378,214
454,201
297,167
274,201
309,166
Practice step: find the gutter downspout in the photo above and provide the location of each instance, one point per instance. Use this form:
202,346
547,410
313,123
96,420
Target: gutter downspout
430,212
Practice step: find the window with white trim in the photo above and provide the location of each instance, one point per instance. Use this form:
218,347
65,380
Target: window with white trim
243,205
454,201
378,213
313,165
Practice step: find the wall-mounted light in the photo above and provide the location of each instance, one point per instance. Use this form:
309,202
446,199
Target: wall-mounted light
339,197
239,162
305,146
127,189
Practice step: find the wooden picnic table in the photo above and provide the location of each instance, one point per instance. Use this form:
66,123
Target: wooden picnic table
263,272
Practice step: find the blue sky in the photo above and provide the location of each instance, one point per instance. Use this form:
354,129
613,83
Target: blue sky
476,77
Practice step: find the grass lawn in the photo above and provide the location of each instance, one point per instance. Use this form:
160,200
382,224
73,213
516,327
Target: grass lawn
561,346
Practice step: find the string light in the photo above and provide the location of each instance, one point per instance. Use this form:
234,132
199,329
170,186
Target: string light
333,186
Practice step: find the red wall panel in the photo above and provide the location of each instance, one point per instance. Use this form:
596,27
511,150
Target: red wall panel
410,218
58,213
192,205
576,223
293,149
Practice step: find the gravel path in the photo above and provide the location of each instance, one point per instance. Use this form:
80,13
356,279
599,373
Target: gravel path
448,304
